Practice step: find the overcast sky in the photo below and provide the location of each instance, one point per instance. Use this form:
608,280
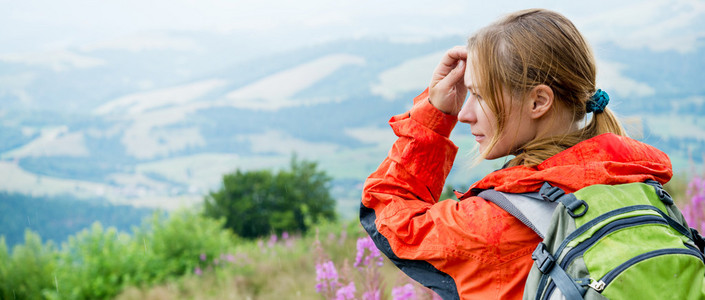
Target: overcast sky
50,25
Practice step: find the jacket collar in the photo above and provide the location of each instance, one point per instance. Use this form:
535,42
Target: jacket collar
604,159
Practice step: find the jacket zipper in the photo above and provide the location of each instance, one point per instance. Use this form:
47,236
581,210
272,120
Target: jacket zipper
600,285
598,235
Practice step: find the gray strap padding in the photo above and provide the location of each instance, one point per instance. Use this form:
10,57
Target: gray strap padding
529,208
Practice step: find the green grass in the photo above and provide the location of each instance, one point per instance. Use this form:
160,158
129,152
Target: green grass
281,270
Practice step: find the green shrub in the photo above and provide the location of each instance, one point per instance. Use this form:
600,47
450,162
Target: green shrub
257,203
4,270
98,263
175,246
29,271
95,263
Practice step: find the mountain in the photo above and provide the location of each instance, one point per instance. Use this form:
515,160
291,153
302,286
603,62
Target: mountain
157,126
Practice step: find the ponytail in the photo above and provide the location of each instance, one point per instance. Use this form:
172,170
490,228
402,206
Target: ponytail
604,122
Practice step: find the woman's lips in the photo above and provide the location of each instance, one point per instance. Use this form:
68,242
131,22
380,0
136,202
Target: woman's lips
479,137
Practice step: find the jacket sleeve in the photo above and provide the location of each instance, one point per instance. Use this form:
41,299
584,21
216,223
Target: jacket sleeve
400,208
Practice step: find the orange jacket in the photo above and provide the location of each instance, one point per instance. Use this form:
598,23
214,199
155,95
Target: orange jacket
472,249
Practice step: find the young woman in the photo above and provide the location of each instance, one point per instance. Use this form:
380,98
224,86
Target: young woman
529,80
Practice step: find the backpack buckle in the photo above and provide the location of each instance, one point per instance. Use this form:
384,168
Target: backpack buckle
550,193
660,191
571,203
543,259
664,196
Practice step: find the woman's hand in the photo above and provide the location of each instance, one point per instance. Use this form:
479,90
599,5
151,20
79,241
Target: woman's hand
447,90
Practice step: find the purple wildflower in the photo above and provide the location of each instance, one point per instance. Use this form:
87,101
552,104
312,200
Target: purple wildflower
228,257
326,278
288,240
198,271
203,257
694,211
365,245
346,292
371,295
272,240
405,292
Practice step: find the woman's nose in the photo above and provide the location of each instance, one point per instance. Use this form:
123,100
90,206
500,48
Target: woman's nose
466,114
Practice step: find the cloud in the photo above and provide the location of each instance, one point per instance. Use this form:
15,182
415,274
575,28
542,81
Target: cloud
660,25
138,43
57,60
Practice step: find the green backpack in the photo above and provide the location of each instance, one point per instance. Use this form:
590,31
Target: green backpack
626,241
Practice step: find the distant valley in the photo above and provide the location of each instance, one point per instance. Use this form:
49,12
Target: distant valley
158,128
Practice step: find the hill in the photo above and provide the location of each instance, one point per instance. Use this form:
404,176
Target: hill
158,127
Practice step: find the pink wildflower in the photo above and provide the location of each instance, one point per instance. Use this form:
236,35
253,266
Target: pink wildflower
694,211
272,240
288,240
228,257
346,292
326,278
405,292
371,295
203,257
365,245
198,271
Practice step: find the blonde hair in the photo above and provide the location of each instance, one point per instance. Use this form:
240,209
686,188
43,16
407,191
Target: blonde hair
529,48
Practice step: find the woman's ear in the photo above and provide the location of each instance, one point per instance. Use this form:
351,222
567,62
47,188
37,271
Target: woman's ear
540,100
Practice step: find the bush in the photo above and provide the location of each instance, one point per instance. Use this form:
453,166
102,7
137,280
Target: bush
257,203
98,263
95,264
175,246
29,271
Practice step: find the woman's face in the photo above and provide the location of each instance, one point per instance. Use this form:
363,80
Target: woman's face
483,122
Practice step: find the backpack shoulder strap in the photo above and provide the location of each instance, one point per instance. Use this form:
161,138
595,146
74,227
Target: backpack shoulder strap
529,208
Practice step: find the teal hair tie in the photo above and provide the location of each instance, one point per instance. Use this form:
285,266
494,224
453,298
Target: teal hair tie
597,102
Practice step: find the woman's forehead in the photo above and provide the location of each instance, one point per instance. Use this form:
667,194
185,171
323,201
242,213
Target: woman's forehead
469,78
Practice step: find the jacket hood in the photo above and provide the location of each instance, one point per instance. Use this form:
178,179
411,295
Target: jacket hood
604,159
